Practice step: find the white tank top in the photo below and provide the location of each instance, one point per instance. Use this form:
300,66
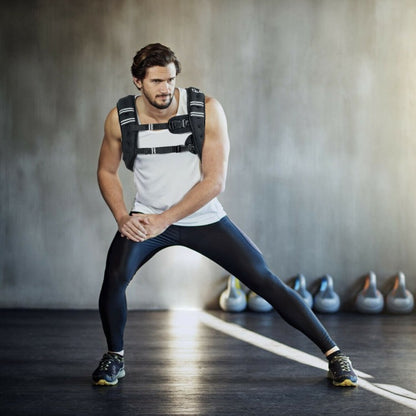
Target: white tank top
163,179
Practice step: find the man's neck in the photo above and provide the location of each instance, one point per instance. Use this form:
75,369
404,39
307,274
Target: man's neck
150,114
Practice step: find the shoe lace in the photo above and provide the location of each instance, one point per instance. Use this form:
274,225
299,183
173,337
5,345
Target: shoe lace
344,363
106,361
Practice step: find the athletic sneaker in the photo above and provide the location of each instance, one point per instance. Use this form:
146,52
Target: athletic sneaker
341,372
110,369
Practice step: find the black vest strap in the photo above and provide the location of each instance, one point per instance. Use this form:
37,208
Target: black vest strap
162,150
158,126
176,125
187,147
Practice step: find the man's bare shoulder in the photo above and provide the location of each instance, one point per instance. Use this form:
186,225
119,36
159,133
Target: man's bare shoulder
214,110
212,103
112,125
112,116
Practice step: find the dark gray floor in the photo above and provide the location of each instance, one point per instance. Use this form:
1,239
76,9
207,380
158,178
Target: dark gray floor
175,365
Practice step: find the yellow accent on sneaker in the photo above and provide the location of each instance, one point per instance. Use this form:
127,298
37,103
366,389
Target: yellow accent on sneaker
345,383
103,382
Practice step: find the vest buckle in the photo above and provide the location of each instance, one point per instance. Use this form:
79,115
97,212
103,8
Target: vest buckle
178,125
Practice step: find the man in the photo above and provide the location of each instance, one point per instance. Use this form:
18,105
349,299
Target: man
176,204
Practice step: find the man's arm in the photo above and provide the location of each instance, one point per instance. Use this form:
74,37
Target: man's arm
214,172
109,181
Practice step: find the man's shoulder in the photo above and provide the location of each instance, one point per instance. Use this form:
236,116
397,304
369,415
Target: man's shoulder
212,103
112,125
113,115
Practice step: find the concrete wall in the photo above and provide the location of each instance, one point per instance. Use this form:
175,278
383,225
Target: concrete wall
320,98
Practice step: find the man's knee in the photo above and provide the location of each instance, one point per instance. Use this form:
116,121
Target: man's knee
263,282
117,276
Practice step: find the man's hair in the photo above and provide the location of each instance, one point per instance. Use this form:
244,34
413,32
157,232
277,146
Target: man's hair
154,54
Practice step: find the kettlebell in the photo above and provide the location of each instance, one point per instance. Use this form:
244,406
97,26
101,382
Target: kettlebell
370,299
326,300
400,300
257,304
233,299
300,288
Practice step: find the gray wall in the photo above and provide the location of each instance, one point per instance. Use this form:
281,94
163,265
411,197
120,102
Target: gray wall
320,98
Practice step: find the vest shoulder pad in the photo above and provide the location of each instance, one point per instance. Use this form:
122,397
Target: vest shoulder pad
196,112
127,117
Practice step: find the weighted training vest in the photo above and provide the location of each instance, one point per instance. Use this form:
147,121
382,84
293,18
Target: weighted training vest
193,122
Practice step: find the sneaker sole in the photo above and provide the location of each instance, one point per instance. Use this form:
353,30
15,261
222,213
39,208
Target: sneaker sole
103,382
344,383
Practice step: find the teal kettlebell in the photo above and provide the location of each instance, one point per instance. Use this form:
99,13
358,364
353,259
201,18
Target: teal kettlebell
300,288
326,300
400,300
369,299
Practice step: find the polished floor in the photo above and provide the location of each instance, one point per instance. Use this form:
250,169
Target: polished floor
177,363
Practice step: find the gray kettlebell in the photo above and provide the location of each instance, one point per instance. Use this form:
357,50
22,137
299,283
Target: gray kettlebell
369,299
233,299
257,304
400,300
326,300
300,288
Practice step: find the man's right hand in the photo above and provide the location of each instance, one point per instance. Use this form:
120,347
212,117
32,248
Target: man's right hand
133,227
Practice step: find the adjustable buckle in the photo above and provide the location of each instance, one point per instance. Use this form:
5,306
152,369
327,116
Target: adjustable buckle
176,124
148,150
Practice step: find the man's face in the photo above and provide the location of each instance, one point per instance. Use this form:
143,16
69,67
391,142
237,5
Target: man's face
158,86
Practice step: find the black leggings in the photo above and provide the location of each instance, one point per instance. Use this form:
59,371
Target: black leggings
221,242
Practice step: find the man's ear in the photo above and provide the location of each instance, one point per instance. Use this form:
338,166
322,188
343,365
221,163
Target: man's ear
137,83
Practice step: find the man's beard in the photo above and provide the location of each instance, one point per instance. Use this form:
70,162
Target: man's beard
155,104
